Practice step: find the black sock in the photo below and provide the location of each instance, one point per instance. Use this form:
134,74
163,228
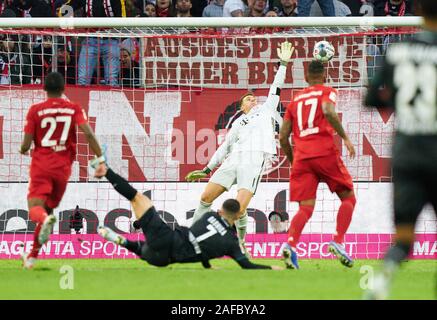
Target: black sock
134,246
397,253
121,185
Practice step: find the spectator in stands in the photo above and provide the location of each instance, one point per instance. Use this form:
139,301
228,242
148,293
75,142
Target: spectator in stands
5,11
341,10
360,7
15,63
183,8
257,9
366,9
198,7
69,8
93,49
278,221
236,8
76,220
42,55
271,13
130,69
32,8
214,9
286,8
163,8
150,9
304,7
66,64
392,7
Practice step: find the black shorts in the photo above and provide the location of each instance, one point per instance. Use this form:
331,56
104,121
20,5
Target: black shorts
159,239
413,189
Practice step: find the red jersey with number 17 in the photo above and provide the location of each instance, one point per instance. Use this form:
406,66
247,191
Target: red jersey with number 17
313,135
53,126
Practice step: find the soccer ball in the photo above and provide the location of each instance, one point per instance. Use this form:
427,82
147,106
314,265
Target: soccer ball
323,51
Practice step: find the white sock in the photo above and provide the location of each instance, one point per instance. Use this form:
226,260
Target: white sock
203,208
241,225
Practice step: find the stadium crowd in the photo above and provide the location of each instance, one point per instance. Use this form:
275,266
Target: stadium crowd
27,59
204,8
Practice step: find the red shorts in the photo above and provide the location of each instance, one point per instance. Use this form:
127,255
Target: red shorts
48,185
307,173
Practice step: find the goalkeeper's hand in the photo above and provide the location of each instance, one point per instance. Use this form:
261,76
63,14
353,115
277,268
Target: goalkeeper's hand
285,52
197,174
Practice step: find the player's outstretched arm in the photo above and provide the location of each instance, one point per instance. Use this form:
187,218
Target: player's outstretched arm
91,138
284,53
284,136
245,263
216,159
334,120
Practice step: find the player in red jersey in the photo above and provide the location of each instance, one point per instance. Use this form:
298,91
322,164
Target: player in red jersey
312,119
51,126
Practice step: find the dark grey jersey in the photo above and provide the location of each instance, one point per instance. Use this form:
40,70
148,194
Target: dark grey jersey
212,237
408,82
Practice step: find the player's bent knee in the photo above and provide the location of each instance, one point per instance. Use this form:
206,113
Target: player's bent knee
207,197
349,201
140,205
346,194
308,203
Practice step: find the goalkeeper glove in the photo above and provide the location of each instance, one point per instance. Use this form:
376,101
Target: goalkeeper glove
197,174
285,52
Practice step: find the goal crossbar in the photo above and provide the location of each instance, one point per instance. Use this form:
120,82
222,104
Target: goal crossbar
173,22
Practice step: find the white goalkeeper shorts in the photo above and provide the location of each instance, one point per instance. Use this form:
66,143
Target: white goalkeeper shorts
244,169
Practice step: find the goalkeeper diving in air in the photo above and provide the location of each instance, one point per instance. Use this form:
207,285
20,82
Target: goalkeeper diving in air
248,145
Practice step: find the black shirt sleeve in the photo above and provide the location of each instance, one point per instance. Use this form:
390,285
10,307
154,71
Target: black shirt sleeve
380,92
243,261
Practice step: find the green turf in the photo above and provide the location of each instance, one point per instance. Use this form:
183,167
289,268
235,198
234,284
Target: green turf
134,279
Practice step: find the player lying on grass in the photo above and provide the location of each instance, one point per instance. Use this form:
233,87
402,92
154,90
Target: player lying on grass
312,119
212,236
51,126
248,144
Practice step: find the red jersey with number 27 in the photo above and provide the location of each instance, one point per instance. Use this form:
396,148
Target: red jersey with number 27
53,126
313,135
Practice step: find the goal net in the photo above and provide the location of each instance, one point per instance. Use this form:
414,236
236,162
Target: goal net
162,100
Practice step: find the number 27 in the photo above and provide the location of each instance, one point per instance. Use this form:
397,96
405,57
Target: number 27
53,123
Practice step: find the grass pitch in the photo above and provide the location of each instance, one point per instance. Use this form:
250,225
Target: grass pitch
135,279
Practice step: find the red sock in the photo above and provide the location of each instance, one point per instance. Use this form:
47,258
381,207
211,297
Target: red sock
298,223
344,218
37,214
36,246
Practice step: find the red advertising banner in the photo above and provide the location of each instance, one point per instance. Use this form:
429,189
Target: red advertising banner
161,135
248,62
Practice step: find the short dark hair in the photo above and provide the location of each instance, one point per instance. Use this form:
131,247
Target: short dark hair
316,68
244,96
54,83
428,8
231,206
